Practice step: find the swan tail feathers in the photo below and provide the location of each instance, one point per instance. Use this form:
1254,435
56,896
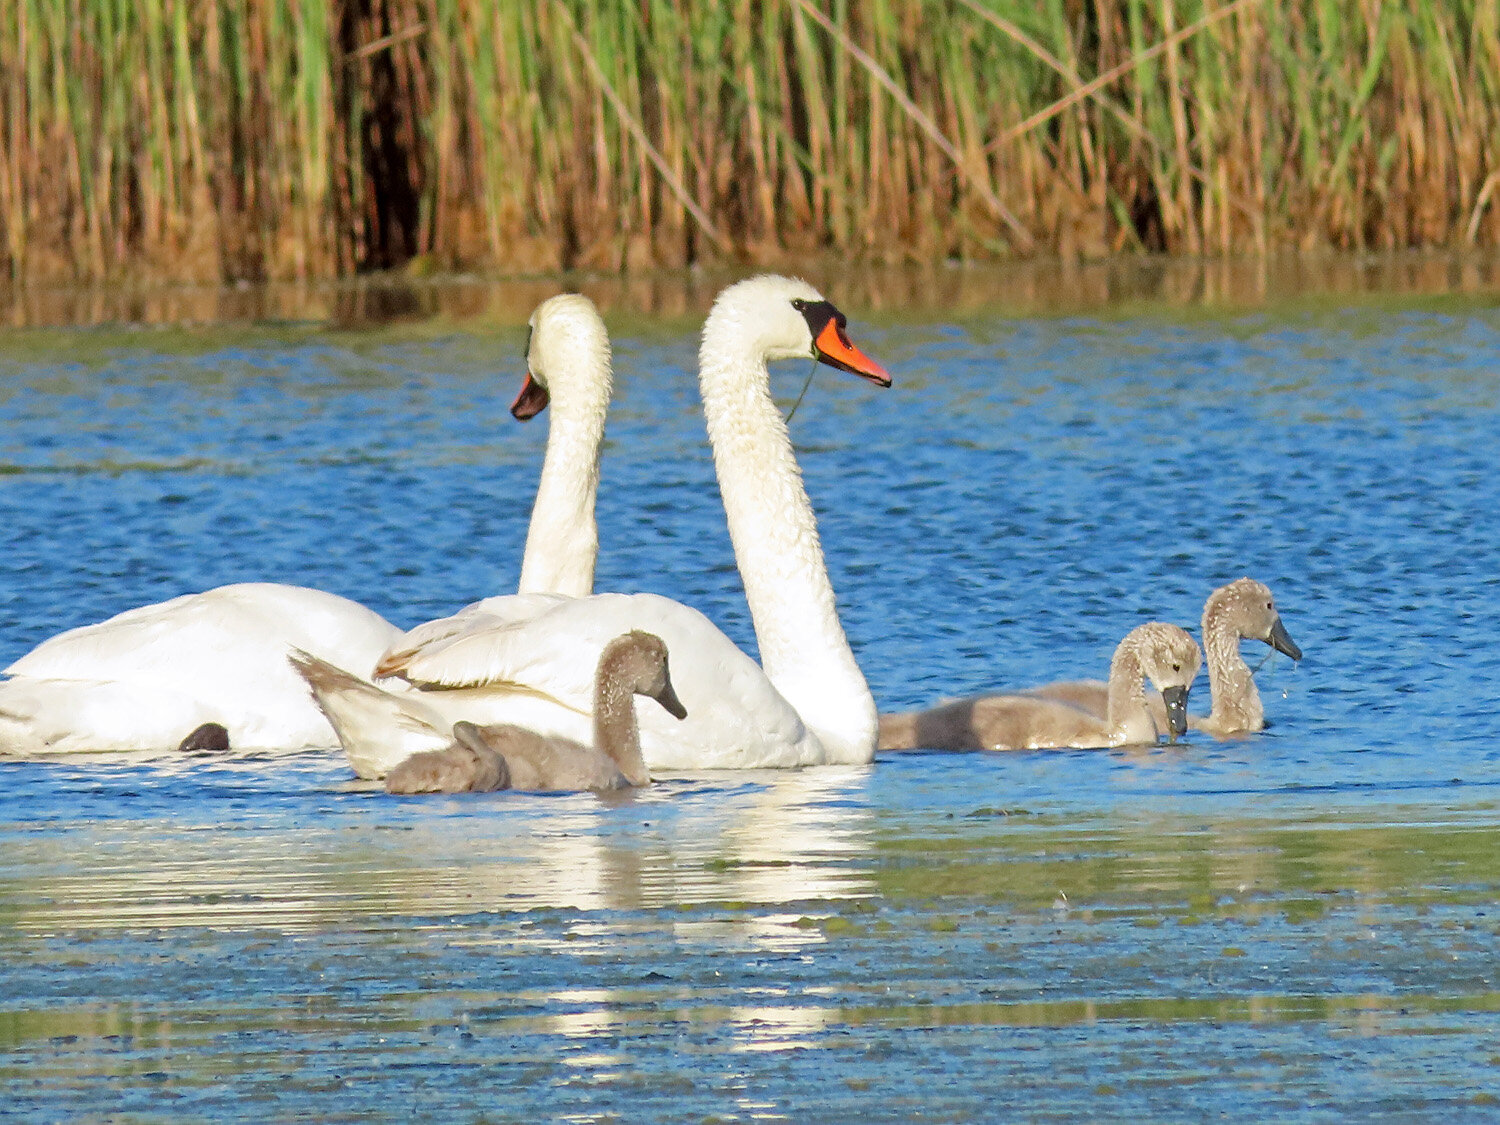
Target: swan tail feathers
18,735
45,717
377,728
323,678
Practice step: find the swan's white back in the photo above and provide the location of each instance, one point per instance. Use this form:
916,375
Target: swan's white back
736,717
144,679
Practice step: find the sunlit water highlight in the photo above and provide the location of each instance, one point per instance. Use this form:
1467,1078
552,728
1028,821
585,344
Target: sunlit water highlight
1302,923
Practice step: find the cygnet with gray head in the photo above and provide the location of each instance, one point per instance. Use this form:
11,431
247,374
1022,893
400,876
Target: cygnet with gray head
1242,609
1162,654
503,756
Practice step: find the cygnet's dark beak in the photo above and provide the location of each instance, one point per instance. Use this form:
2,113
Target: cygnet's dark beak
668,699
1283,643
1176,700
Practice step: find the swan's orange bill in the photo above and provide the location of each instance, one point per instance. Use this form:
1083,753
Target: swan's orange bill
532,400
835,349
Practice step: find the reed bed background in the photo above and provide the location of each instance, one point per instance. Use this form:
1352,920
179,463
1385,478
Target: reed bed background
263,139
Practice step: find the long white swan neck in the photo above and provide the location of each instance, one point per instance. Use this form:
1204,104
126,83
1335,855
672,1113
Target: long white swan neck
1235,698
562,545
616,732
1127,715
803,648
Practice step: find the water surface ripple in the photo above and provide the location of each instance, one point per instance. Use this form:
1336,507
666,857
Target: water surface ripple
1298,925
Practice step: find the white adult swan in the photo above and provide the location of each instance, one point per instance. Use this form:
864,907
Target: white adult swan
529,661
217,661
567,364
1163,654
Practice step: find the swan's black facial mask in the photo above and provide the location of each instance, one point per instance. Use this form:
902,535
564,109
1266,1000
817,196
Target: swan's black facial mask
831,344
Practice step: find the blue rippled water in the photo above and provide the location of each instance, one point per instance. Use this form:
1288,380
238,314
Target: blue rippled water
1301,923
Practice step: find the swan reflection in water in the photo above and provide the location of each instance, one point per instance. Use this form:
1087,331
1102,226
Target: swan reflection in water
757,838
772,839
351,857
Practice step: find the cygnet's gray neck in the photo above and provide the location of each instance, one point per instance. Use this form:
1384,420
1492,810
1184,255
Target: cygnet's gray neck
1235,700
1127,715
616,732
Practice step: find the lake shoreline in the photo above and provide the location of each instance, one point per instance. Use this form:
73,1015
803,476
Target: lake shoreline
1116,286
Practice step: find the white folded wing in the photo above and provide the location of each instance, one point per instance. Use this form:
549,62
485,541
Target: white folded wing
531,659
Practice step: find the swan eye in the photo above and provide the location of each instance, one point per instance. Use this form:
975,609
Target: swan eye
1177,667
799,304
1270,605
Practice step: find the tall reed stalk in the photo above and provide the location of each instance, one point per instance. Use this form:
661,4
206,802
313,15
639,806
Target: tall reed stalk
246,139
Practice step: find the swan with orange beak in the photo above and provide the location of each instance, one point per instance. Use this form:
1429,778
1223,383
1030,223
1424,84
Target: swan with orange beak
528,661
831,343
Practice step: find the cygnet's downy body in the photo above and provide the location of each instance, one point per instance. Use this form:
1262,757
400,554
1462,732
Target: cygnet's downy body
1162,654
503,756
1242,609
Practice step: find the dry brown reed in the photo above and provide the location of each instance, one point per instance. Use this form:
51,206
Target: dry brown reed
250,139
